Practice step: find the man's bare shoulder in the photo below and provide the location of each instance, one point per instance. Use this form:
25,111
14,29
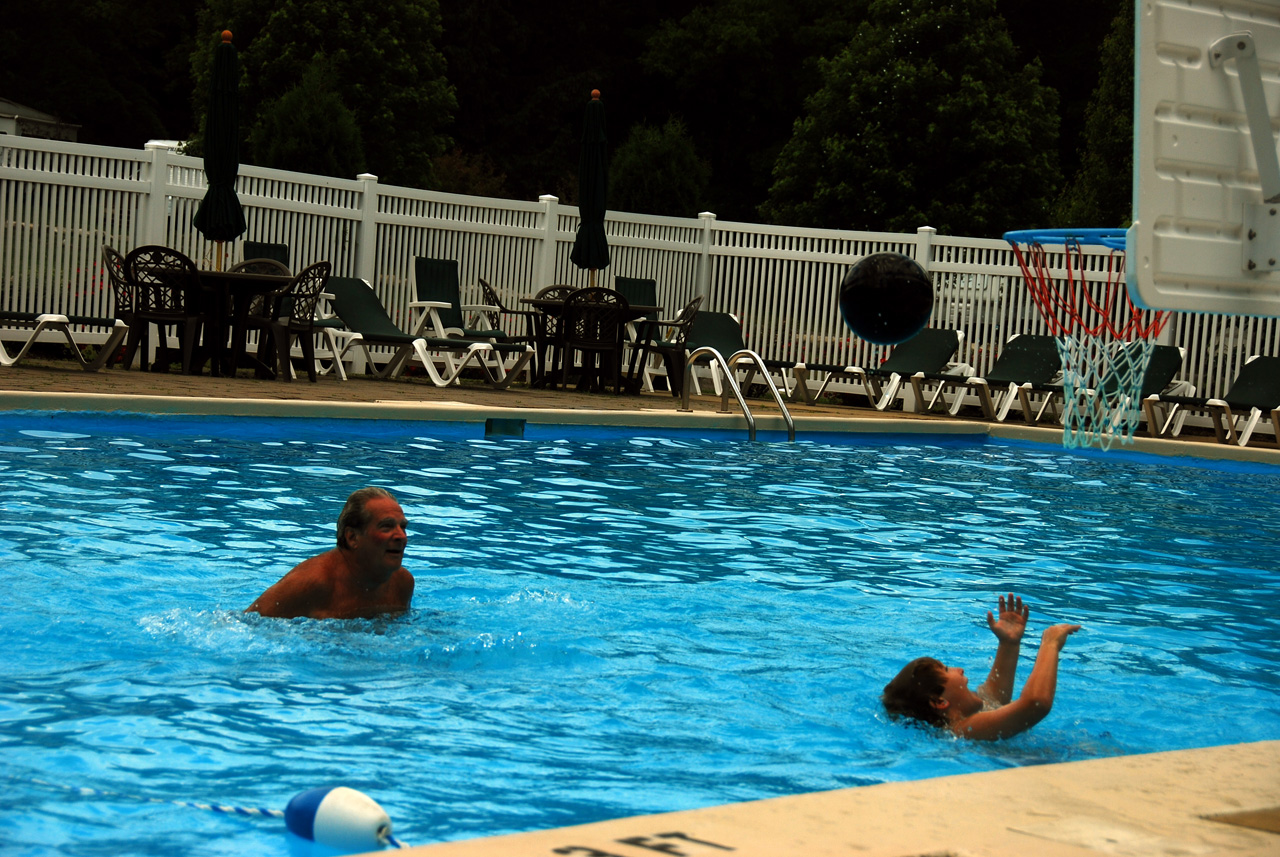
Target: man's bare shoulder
308,584
325,565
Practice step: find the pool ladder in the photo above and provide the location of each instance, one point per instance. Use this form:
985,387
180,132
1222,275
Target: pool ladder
731,383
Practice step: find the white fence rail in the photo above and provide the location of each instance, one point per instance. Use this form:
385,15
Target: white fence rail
60,202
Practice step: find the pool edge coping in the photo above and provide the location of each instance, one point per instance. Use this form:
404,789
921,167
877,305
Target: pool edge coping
450,411
1170,802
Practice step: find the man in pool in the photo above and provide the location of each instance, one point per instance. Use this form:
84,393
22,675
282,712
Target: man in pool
930,692
362,577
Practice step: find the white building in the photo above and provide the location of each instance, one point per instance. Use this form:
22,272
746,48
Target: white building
22,121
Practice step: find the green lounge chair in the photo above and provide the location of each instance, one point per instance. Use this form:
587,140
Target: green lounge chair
50,321
644,292
722,331
265,250
929,351
1254,393
1162,368
438,309
366,323
1029,363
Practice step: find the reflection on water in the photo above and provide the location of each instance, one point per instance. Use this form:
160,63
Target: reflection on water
602,626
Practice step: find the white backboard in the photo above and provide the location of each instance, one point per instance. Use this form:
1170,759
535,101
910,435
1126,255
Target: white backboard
1202,239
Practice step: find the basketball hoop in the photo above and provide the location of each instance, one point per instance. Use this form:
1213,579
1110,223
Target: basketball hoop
1104,339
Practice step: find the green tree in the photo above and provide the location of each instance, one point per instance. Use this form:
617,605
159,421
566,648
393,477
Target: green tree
386,68
1065,40
117,68
924,119
658,171
309,129
1101,192
470,174
524,71
737,72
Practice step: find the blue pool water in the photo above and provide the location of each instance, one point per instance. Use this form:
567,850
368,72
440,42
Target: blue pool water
604,624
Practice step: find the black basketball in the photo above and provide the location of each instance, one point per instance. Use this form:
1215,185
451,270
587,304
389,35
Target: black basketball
886,298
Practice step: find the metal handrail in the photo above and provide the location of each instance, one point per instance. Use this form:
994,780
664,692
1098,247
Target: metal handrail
731,383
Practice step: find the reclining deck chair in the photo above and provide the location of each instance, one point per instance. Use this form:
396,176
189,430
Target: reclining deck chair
254,250
1162,367
1256,390
119,325
666,338
640,291
52,321
1028,363
438,310
722,332
367,324
929,351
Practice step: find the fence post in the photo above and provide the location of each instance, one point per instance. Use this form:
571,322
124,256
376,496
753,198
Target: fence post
924,248
546,267
704,258
367,241
153,225
924,257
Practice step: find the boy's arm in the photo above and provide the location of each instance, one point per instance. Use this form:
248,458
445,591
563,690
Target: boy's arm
1035,701
1008,630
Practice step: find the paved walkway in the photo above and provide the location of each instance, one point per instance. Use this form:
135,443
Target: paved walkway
66,376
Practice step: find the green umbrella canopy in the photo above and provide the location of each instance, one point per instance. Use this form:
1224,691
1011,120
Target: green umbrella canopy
591,247
220,217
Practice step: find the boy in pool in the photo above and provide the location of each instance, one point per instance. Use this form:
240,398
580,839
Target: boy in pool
362,577
930,692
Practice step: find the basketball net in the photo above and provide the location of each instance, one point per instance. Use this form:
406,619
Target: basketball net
1105,341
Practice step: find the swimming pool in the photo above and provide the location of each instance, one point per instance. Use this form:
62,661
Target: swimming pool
604,624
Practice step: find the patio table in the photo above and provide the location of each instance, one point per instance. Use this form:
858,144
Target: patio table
553,307
239,288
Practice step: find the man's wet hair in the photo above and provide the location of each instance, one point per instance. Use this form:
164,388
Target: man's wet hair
356,513
913,690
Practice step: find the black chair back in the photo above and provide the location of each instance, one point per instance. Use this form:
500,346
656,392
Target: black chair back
264,250
305,293
638,291
262,265
165,280
593,318
592,322
118,277
167,291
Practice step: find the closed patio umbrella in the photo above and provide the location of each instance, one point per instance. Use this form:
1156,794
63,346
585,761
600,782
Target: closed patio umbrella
590,246
220,217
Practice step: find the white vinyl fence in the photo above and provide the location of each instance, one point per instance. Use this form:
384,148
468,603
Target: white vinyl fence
60,202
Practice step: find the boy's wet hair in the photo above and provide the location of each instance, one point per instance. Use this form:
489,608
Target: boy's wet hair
914,689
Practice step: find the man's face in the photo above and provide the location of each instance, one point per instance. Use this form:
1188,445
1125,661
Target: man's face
381,544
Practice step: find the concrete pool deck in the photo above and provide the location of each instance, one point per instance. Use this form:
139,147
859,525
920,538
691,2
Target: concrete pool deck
1147,805
1158,804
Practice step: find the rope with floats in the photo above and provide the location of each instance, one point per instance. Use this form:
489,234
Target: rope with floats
340,817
